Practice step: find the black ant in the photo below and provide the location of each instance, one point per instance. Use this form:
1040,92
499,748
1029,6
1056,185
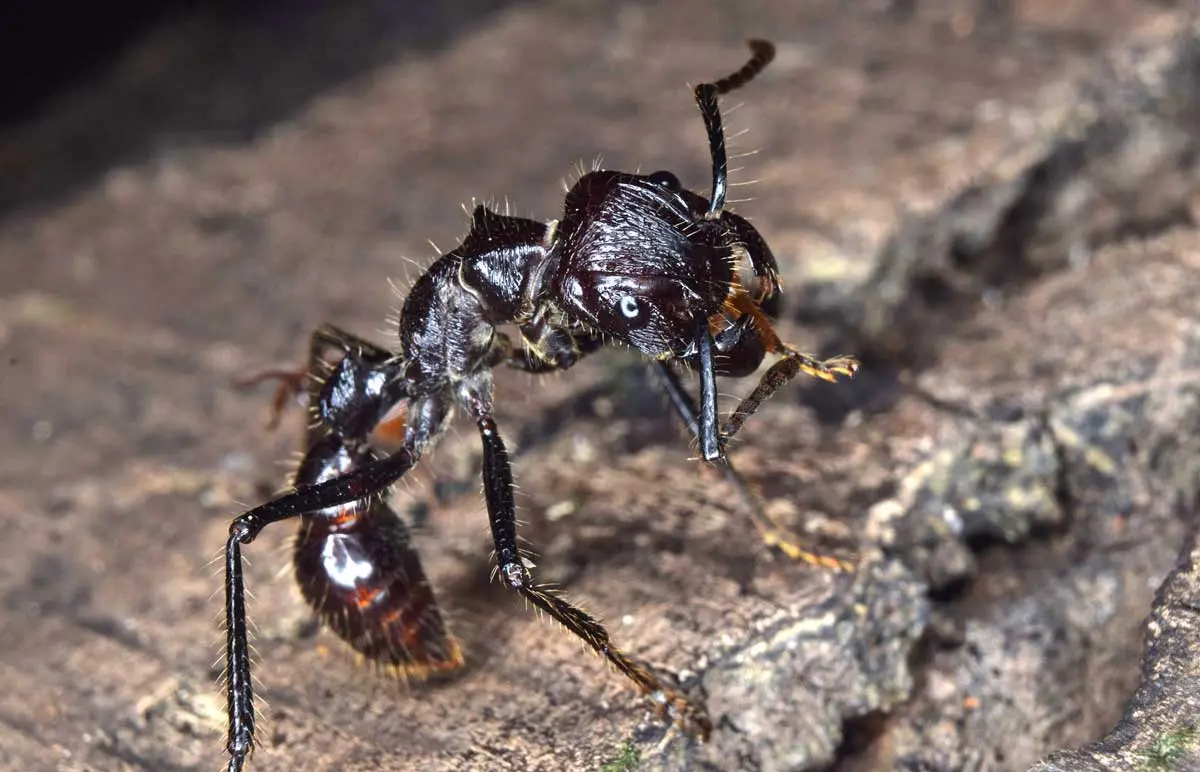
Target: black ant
635,260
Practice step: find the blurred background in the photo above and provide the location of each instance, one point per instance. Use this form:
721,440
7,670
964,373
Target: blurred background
186,189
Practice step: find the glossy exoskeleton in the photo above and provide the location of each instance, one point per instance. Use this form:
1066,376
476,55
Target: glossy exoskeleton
635,260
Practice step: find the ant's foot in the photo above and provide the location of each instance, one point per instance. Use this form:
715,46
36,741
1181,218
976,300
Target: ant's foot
777,541
691,718
827,370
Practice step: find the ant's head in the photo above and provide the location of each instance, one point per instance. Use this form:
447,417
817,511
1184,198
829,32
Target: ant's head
636,261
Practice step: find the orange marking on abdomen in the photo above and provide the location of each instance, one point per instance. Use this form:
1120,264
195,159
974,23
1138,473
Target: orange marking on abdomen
346,516
365,596
390,430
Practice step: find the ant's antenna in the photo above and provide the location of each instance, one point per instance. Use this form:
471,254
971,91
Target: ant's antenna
706,98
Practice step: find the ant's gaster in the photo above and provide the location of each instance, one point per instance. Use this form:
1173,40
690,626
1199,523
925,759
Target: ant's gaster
635,260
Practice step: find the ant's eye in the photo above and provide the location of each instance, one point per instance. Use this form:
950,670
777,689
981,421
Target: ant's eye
629,307
666,179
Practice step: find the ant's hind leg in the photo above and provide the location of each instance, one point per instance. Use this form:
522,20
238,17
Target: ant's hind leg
358,484
515,573
773,533
294,381
362,483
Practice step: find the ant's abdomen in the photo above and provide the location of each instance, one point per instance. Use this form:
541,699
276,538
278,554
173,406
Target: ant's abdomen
359,572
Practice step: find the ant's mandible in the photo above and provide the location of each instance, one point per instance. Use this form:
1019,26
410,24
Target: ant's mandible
635,260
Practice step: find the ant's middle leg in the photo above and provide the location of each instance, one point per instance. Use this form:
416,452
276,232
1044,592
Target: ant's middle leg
514,572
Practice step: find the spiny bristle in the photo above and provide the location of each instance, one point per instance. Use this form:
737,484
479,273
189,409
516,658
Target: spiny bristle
731,108
395,290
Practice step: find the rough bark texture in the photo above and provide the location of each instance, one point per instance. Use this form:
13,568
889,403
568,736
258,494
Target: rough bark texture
994,203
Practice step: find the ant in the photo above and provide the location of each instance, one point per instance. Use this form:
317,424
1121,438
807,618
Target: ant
635,260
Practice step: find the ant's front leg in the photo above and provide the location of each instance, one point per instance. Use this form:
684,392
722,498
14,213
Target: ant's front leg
741,348
737,350
498,488
545,348
792,364
685,409
772,532
734,351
